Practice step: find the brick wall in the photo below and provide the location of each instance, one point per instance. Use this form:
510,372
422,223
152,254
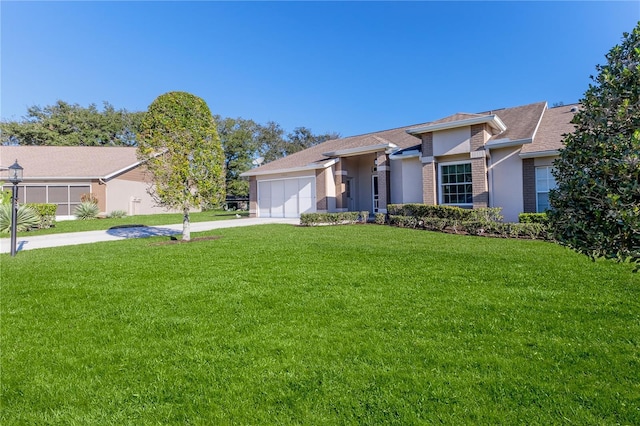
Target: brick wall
321,190
529,185
341,200
253,196
429,184
427,145
479,136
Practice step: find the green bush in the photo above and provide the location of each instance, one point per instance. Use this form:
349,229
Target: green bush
26,219
341,218
86,211
533,218
381,218
117,214
47,213
483,221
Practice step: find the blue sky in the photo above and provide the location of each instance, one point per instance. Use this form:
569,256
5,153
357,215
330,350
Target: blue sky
348,67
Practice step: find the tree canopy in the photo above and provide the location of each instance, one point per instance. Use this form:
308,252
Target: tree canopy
180,146
72,124
243,140
596,206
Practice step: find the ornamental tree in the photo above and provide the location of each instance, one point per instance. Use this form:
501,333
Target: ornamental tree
596,206
180,146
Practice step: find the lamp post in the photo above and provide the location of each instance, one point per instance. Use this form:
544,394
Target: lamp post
15,177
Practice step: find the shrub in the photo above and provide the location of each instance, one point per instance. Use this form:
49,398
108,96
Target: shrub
27,218
381,218
533,218
47,213
117,214
86,211
88,198
595,206
341,218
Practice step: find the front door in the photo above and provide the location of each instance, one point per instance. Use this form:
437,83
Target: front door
351,196
374,191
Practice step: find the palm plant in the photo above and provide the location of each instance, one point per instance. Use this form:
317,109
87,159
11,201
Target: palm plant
27,218
86,210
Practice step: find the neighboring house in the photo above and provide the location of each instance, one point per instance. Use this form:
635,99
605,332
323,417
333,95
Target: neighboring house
500,158
62,174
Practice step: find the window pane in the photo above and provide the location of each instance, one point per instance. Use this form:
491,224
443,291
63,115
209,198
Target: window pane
58,194
36,194
456,185
63,210
543,202
77,191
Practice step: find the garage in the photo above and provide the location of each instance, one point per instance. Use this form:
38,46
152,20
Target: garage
286,197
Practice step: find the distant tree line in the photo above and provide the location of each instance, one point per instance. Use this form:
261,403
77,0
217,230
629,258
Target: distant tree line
243,140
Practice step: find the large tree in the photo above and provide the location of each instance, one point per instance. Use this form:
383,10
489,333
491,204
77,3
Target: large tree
596,206
72,124
239,139
180,146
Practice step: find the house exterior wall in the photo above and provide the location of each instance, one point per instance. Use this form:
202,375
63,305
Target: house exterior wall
506,182
253,196
384,184
99,191
340,186
406,181
363,174
452,141
479,135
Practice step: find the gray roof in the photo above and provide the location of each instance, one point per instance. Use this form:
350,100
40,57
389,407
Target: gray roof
533,122
67,162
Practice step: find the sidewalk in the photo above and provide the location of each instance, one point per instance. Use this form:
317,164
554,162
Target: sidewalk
114,234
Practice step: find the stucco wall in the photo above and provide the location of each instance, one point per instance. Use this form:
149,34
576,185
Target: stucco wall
452,141
131,197
505,182
406,181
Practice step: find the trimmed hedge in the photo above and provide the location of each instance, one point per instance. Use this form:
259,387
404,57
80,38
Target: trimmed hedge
342,218
483,221
445,212
533,218
47,213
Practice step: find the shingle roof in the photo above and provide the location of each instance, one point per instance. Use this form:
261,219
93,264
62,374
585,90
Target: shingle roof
68,161
521,121
398,137
555,123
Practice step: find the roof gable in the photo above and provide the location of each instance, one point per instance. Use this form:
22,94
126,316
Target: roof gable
67,162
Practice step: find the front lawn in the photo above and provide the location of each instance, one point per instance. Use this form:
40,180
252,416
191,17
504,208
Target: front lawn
278,324
148,220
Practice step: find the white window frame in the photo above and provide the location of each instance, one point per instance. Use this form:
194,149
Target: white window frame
441,184
550,183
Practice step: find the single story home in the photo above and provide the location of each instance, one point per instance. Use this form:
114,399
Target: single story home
63,174
499,158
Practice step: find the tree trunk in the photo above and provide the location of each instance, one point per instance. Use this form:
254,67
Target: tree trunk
186,225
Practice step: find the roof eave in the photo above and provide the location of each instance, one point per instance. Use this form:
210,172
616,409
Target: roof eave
506,143
308,167
360,150
493,120
536,154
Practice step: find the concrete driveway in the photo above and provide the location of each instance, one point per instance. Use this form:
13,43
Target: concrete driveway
28,242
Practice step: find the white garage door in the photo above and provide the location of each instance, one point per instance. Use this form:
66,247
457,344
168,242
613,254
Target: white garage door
286,197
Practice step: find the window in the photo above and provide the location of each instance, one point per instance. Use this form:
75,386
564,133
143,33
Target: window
455,184
544,183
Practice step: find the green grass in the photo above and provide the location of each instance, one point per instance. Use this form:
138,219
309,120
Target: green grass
279,324
149,220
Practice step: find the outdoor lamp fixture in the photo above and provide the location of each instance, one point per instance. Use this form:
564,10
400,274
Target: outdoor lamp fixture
15,177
